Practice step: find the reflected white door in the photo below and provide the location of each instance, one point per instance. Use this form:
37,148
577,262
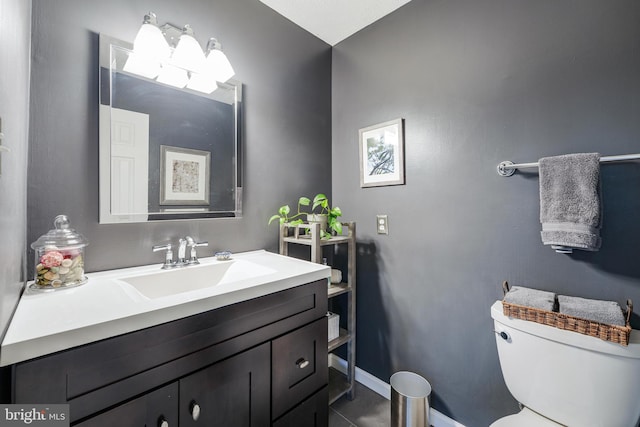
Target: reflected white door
125,169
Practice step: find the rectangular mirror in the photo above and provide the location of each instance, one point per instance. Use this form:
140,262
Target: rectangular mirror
165,153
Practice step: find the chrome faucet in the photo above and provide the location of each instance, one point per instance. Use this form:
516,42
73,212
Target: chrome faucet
182,253
182,261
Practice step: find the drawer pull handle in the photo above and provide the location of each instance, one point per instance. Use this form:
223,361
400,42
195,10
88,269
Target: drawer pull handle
302,363
162,422
194,408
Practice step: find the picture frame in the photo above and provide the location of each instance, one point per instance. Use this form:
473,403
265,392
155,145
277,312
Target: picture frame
381,150
185,176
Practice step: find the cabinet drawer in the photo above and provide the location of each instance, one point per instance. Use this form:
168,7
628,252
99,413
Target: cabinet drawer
149,410
299,365
313,412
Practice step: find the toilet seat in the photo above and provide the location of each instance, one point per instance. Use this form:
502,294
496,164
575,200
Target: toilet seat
525,418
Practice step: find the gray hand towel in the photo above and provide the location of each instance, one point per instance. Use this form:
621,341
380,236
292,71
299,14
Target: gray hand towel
528,297
607,312
570,208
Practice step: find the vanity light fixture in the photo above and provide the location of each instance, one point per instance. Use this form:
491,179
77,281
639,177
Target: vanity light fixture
217,68
218,62
174,57
150,49
188,54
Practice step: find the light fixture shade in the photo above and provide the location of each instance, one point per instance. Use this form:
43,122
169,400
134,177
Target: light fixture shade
151,43
142,65
186,65
202,82
173,76
188,54
219,65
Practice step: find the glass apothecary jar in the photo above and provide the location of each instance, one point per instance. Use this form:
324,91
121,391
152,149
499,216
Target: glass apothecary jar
59,257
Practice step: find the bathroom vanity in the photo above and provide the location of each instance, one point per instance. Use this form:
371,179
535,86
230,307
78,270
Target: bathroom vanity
247,351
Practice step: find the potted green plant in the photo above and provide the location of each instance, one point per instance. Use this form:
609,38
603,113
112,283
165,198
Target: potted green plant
325,213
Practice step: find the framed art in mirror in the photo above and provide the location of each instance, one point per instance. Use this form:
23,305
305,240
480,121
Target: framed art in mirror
184,176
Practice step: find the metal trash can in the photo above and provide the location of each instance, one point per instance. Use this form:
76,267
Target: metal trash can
410,395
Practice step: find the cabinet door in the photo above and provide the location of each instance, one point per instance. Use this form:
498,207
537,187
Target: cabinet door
157,408
299,365
313,412
233,393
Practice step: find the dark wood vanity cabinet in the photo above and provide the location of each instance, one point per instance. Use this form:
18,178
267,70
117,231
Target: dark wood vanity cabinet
260,362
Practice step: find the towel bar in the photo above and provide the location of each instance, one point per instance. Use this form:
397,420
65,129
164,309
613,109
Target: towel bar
508,168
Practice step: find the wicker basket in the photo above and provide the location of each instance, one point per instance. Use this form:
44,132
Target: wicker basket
613,333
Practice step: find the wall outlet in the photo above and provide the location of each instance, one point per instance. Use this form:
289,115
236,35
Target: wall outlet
382,224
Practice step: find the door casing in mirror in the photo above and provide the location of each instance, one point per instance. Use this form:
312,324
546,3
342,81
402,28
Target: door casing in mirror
138,116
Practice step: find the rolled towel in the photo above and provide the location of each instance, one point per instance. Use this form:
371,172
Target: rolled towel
533,298
607,312
570,207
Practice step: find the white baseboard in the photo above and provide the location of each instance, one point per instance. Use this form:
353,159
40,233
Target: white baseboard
437,419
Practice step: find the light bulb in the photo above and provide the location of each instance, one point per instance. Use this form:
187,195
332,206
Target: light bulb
149,49
219,65
173,76
142,66
202,82
188,53
149,41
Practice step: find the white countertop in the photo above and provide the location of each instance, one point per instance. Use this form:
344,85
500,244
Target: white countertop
105,306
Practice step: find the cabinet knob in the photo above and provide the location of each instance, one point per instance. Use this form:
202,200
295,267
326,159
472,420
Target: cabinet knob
162,422
194,408
302,363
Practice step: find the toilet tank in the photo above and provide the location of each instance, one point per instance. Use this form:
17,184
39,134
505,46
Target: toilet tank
571,378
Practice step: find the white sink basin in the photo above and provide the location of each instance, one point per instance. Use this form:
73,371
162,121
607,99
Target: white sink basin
186,279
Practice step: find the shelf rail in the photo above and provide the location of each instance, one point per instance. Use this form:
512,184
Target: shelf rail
508,168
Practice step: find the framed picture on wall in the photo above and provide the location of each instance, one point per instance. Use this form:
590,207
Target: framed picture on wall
382,154
184,176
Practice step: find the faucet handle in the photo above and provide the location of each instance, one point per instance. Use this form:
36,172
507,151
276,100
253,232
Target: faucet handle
168,259
193,245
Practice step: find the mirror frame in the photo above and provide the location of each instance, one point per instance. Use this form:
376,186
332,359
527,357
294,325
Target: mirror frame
183,213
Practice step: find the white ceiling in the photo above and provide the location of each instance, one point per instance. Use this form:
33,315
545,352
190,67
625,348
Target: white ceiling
334,20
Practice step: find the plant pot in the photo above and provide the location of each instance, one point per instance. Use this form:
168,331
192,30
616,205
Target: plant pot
317,218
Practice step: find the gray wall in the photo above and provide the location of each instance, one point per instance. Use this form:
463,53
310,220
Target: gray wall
479,82
287,78
15,30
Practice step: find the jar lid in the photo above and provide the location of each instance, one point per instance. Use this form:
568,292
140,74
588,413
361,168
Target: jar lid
61,236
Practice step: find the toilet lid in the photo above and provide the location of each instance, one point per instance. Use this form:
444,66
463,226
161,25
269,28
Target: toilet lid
524,418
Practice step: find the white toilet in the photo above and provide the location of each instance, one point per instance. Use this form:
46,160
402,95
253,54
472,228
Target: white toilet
566,378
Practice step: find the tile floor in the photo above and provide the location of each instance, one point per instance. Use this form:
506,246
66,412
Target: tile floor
367,409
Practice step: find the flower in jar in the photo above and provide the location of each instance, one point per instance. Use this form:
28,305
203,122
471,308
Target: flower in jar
70,253
51,259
